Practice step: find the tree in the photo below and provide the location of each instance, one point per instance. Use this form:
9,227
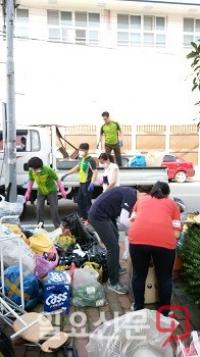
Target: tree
190,253
195,56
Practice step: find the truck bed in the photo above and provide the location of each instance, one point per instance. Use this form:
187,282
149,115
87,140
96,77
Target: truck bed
128,176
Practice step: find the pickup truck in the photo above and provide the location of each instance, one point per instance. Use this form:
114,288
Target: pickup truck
45,141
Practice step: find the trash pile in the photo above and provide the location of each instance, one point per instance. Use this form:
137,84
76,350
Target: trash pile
63,267
139,333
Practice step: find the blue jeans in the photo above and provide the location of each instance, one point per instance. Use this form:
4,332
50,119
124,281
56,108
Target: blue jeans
84,200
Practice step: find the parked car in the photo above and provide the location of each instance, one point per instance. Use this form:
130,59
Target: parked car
178,168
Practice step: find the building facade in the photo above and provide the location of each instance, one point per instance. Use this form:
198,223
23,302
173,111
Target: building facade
75,59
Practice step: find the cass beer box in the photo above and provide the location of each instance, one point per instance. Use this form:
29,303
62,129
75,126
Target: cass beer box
57,291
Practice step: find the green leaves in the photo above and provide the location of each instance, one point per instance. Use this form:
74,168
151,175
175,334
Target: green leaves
191,54
195,56
190,253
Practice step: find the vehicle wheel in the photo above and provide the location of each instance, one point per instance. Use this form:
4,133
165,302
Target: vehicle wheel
180,177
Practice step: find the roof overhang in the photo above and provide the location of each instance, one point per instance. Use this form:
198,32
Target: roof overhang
185,7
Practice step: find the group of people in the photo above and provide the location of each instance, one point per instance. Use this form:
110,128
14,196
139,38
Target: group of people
151,219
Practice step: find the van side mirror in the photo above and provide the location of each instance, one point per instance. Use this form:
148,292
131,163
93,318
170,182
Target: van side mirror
26,167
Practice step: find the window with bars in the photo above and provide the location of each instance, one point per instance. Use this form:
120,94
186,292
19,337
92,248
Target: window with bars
191,31
79,27
141,30
22,22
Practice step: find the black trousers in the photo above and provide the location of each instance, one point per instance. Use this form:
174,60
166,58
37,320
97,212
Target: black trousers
163,260
84,200
108,233
117,152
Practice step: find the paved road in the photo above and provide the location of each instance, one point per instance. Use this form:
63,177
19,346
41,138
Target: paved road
189,192
65,207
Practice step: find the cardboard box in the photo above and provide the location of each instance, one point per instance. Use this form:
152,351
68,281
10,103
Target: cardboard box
151,290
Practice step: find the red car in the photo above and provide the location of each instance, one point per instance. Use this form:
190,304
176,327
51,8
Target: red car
178,168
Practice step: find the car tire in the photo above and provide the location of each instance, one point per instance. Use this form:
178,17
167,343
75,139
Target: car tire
180,177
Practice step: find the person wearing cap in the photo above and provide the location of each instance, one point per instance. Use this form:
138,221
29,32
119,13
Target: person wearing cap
113,137
87,175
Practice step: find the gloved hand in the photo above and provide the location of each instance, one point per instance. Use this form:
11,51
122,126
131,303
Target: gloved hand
27,195
91,187
64,194
120,143
62,189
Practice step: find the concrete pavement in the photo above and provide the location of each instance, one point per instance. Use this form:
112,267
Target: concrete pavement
189,192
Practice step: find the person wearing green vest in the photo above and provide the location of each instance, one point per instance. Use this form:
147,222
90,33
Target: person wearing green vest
113,137
47,185
87,175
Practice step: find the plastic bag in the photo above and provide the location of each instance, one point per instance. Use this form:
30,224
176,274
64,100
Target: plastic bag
192,350
40,241
11,208
15,228
154,158
87,291
133,334
13,247
98,254
44,264
138,161
12,287
57,291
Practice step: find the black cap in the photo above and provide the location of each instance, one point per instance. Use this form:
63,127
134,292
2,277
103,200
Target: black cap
84,146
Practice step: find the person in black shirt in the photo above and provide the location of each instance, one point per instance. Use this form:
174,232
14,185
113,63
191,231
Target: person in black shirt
114,203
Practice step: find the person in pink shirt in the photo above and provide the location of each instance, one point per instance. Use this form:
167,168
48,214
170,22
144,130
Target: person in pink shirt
155,226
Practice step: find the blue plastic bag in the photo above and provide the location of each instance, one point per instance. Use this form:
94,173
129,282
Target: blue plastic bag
12,287
57,292
138,161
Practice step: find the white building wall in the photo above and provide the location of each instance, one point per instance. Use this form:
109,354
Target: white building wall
72,84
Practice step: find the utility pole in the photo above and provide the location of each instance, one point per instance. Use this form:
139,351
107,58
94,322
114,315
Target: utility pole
10,145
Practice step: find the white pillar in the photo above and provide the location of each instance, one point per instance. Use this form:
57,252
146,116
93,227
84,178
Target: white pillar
134,137
167,138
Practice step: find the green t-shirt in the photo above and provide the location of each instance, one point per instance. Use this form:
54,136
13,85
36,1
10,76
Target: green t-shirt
45,180
87,165
110,131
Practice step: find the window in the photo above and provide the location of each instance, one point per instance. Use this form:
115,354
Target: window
79,27
191,31
35,140
22,140
60,25
135,30
22,23
169,158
